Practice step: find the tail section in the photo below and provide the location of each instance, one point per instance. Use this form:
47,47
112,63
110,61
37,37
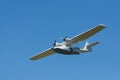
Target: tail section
88,47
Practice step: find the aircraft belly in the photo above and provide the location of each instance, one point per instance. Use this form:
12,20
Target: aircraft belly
66,52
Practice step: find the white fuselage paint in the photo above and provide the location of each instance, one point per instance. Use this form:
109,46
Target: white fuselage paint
63,49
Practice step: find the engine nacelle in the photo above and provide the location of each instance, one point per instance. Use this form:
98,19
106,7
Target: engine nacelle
65,38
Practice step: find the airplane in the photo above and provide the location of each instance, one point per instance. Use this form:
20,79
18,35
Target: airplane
66,47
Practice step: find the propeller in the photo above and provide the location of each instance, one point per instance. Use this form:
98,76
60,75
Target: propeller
64,39
54,44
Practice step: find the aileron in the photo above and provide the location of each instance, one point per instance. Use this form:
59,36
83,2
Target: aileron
66,47
86,34
43,54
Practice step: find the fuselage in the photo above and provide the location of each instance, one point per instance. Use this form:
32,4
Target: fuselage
63,49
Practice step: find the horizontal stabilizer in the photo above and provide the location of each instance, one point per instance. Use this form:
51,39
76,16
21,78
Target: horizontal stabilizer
88,47
93,44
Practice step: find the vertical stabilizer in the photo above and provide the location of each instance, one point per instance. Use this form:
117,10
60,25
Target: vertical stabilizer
88,46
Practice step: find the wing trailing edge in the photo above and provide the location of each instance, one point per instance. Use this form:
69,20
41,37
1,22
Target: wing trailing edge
43,54
86,34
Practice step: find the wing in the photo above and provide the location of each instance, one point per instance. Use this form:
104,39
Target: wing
43,54
85,35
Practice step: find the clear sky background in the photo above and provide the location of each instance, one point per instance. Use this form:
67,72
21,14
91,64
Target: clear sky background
31,26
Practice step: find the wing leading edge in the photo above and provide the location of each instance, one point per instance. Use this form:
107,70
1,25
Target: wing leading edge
85,35
72,41
43,54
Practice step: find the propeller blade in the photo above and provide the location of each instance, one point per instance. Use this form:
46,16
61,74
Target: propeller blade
65,38
54,44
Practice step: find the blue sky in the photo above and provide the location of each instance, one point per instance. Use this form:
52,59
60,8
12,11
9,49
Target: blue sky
31,26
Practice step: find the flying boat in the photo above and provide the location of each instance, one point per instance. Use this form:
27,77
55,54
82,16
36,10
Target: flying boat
66,47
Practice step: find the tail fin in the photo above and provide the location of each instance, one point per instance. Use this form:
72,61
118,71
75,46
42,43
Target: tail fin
88,46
